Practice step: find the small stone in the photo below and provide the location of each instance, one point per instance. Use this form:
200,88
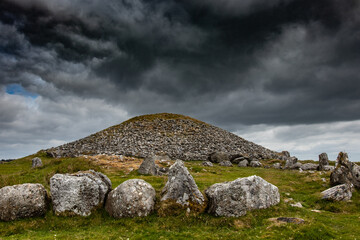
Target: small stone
323,179
276,166
315,210
298,205
291,220
286,200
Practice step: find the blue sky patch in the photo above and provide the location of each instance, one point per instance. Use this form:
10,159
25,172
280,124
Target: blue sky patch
17,89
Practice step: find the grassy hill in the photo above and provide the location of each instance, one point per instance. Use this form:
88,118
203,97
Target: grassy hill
335,221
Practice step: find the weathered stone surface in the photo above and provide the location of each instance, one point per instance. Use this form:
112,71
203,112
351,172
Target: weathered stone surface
309,166
22,201
181,190
345,172
218,157
243,163
255,164
207,164
78,193
341,192
298,205
233,199
323,161
180,137
148,167
287,220
132,198
36,162
276,166
226,164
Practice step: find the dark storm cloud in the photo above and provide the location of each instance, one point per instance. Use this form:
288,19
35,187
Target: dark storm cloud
231,63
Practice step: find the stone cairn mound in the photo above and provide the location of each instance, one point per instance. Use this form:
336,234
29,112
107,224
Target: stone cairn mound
178,136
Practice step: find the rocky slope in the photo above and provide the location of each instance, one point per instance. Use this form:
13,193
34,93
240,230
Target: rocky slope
178,136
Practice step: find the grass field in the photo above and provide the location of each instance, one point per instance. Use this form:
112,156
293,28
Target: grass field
335,221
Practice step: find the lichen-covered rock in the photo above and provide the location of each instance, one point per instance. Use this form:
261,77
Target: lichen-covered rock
132,198
345,172
226,164
36,162
323,161
328,168
243,163
286,154
234,199
309,166
148,167
207,164
255,164
22,201
341,192
78,193
181,191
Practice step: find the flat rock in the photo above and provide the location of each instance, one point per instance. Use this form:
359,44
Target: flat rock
78,193
132,198
36,162
309,166
234,199
341,192
181,191
298,205
328,168
22,201
288,220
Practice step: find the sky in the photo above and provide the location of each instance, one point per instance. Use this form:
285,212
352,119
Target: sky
283,73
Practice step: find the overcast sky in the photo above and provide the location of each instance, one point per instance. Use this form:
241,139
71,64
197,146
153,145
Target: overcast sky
282,73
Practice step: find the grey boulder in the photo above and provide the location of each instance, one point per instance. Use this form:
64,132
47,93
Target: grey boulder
323,161
328,168
345,172
207,164
78,193
22,201
309,166
255,164
226,164
218,157
292,163
341,192
234,199
181,190
132,198
243,163
36,162
276,166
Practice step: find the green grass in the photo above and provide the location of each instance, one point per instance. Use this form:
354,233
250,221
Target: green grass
336,221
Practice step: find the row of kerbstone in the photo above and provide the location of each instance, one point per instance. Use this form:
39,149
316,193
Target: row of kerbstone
80,193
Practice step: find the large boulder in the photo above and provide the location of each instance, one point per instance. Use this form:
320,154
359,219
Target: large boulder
78,193
237,160
234,199
180,191
243,163
323,161
286,154
132,198
309,166
36,162
345,171
218,157
22,201
341,192
148,167
255,163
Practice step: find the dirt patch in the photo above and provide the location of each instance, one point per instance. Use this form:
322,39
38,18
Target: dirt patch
122,163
